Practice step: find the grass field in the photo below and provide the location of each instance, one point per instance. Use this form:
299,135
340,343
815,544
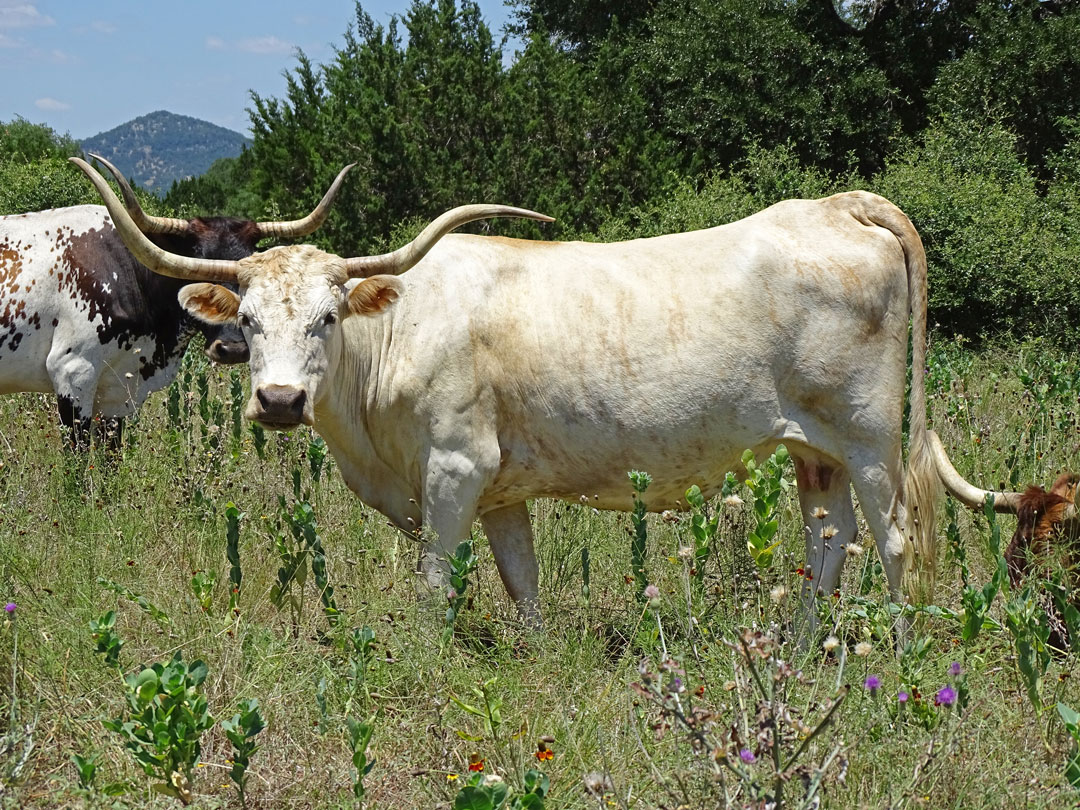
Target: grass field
146,536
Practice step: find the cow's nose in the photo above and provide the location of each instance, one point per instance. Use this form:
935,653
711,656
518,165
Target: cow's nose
281,404
229,351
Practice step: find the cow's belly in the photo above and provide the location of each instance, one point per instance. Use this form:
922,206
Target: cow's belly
596,471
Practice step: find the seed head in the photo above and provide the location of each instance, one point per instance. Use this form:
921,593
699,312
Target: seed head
863,648
820,512
829,532
831,643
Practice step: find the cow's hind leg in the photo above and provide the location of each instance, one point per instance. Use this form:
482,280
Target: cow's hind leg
879,486
829,526
510,535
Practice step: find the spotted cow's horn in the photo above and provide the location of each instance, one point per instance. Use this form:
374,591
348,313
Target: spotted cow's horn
146,222
149,254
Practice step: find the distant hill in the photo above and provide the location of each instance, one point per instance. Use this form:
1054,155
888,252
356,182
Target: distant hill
158,148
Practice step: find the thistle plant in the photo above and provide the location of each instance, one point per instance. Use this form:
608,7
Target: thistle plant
746,759
359,737
704,528
639,537
233,516
202,586
462,565
360,647
1029,626
240,730
106,642
295,553
977,601
766,483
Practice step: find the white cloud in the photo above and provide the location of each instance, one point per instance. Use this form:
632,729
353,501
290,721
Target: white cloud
51,104
264,45
22,15
103,27
59,57
215,44
9,42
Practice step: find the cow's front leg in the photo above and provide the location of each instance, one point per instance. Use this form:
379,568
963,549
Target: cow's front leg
510,534
75,381
452,486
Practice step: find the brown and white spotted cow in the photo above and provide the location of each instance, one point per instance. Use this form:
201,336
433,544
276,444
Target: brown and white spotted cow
79,316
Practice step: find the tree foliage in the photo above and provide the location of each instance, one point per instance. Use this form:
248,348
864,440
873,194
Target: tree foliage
648,116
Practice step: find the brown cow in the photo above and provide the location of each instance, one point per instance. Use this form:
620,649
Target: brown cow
1041,524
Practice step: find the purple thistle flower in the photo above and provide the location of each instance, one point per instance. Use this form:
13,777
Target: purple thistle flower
746,755
10,608
946,696
652,592
955,669
902,696
872,683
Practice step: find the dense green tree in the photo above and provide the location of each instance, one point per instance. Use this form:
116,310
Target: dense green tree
577,24
22,141
1022,67
721,74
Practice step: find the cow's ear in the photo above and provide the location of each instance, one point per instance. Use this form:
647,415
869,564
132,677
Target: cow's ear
210,303
372,295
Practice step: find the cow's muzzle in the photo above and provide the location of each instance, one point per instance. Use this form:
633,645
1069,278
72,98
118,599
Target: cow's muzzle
228,352
280,407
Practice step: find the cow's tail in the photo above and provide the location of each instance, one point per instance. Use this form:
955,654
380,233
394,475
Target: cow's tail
922,486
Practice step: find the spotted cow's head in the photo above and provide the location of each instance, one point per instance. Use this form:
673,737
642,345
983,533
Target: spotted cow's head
224,238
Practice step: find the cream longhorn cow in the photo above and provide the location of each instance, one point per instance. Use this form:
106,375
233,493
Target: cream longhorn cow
80,317
497,370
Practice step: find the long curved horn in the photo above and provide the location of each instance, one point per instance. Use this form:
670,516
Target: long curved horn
146,223
302,227
172,225
149,254
968,494
405,257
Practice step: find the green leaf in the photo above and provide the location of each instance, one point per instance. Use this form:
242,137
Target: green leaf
1070,718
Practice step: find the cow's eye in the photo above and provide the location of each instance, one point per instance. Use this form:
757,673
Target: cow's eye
245,321
330,319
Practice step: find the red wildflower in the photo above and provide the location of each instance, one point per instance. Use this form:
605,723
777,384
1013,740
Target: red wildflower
476,762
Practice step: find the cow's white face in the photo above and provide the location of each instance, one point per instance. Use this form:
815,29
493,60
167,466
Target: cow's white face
290,306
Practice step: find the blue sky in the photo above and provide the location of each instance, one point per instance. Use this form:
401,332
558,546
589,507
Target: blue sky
85,67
